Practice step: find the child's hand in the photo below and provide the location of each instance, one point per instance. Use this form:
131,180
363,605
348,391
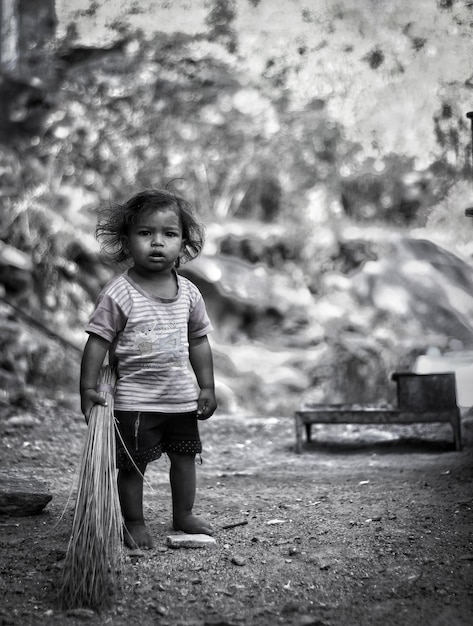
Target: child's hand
89,397
206,404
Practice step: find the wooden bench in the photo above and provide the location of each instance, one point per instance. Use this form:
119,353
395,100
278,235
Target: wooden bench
421,398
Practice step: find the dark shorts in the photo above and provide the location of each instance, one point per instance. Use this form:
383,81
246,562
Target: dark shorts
147,435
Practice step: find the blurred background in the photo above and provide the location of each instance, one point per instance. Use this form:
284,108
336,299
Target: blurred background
324,144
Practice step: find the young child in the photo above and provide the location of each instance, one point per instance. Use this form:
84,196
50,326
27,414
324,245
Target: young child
153,323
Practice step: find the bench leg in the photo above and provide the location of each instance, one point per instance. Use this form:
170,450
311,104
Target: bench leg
298,422
308,430
457,432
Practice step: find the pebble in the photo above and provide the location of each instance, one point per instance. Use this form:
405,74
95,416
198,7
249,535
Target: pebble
81,613
161,610
309,620
26,421
238,560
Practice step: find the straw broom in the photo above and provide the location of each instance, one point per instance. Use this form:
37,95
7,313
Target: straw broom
93,560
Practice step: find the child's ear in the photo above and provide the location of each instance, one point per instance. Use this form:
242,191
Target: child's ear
181,253
124,242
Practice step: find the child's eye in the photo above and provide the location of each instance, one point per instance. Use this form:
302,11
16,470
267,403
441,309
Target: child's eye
172,234
143,233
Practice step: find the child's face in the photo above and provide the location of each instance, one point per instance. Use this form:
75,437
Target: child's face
155,240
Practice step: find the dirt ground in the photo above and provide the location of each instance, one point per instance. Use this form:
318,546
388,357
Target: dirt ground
370,525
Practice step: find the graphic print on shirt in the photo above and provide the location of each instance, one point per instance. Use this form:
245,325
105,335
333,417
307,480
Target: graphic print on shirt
156,337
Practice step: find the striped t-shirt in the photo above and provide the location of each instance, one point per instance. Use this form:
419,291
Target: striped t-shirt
150,343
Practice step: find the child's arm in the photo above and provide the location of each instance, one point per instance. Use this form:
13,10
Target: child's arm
201,360
92,359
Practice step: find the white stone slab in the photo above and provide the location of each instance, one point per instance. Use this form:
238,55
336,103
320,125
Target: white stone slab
190,541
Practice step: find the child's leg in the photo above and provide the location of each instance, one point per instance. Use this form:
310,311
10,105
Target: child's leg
130,489
183,485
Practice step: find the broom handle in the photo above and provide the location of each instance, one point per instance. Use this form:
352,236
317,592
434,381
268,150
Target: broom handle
469,211
470,117
106,388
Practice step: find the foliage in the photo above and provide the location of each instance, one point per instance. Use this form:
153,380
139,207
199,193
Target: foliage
219,20
251,151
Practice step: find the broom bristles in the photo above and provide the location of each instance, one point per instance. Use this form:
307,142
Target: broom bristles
93,560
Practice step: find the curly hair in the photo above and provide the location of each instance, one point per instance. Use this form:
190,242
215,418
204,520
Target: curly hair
114,221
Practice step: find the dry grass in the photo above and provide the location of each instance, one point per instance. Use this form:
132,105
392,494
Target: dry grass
93,561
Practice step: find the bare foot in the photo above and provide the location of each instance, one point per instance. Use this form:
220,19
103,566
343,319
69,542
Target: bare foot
136,535
192,525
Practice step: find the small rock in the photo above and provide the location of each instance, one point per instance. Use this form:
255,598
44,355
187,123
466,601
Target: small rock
161,610
190,541
310,620
26,421
238,560
81,613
